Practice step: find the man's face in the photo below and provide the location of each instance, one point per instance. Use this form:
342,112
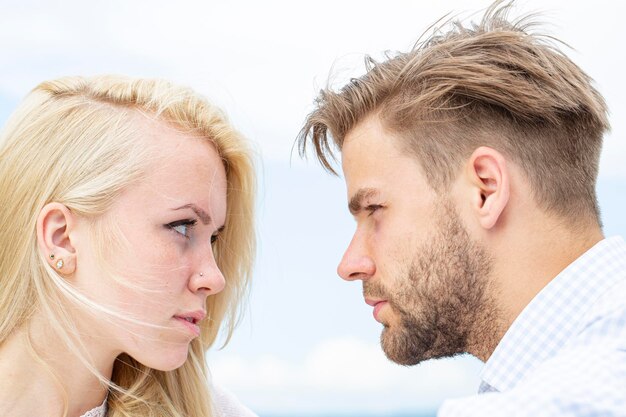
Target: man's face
421,271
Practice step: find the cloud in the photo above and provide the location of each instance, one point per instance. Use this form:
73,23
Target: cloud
343,374
264,61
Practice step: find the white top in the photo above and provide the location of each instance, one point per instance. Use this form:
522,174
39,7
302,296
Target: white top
99,411
226,405
565,354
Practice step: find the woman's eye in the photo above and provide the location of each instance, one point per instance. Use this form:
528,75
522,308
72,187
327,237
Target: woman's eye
182,227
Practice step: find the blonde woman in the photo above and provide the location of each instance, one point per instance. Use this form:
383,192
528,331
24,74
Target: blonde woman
126,243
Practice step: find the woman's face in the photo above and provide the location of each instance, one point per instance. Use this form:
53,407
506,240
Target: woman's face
164,260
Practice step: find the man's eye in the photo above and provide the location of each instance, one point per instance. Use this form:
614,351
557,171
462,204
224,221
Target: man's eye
182,227
372,208
216,236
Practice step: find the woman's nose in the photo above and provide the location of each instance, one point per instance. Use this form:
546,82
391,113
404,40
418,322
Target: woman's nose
209,277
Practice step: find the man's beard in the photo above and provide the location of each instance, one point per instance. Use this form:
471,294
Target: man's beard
441,299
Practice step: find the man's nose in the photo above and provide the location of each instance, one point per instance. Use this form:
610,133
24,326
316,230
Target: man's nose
356,262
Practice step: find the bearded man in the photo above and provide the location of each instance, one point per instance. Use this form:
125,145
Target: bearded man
471,165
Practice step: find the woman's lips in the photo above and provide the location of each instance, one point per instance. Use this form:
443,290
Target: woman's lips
190,325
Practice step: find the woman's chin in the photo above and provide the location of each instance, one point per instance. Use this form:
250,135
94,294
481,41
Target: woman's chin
165,361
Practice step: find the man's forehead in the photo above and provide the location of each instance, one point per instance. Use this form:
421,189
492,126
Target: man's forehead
375,166
369,151
368,126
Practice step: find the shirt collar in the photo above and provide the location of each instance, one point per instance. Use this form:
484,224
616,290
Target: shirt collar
552,317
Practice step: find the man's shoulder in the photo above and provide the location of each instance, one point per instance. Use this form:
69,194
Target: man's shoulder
604,313
586,375
582,379
605,320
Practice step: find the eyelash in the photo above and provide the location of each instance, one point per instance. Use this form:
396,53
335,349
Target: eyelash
372,208
188,223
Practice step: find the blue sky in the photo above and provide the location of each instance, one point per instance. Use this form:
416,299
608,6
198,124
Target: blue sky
308,343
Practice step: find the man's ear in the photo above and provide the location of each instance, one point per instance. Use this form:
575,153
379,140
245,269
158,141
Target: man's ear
489,176
54,224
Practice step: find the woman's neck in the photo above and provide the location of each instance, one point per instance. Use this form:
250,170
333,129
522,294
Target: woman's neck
31,387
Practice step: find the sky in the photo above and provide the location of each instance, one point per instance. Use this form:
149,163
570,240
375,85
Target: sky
308,344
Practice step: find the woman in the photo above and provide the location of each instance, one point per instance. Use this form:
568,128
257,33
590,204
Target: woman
126,243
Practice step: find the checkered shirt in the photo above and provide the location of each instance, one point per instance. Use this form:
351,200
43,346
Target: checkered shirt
565,354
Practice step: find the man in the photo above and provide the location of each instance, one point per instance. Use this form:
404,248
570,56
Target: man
470,164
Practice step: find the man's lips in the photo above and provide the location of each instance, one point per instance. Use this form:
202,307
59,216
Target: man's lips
377,304
372,302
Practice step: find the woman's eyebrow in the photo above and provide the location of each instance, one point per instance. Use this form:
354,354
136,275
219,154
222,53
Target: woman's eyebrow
204,217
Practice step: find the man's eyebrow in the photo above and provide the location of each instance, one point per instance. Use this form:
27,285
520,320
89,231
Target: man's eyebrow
204,217
356,201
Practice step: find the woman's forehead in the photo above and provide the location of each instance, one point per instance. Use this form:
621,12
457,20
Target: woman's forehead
183,169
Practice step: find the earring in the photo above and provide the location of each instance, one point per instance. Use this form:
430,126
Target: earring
52,256
59,264
201,274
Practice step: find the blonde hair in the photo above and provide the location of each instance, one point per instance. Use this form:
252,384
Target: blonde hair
493,84
74,141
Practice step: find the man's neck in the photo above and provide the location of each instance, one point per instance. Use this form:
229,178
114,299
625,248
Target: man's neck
523,266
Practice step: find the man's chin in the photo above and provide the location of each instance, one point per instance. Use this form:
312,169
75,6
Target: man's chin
405,349
394,348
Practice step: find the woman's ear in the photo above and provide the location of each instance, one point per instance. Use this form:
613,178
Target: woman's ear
489,176
54,224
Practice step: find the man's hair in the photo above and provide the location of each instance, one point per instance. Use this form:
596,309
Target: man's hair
493,84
